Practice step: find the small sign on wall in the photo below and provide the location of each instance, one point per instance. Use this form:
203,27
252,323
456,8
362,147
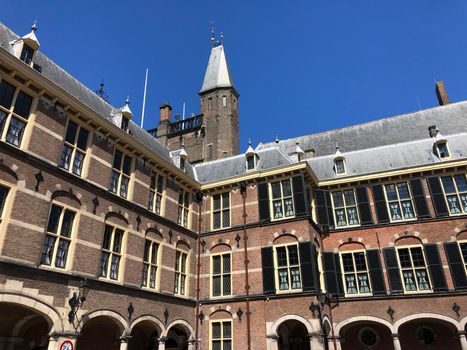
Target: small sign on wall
66,345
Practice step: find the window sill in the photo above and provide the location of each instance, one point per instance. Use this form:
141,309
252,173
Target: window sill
347,227
360,295
220,297
53,268
278,291
402,221
283,218
418,292
108,280
149,289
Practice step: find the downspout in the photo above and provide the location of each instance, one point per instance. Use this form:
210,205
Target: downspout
199,197
243,188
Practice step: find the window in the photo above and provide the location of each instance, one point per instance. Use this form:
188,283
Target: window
74,149
442,149
463,247
221,335
26,54
355,273
250,162
455,191
209,102
183,207
339,166
413,269
221,210
150,259
345,208
111,252
282,199
156,192
3,194
182,164
180,273
221,275
14,113
224,101
399,201
120,174
288,268
125,122
209,152
58,237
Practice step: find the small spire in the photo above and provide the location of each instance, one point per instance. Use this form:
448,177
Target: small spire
277,139
34,26
222,38
126,108
250,151
249,141
212,34
127,101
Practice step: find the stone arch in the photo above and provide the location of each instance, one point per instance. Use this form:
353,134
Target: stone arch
115,215
119,319
153,232
67,194
220,247
351,245
182,244
461,235
463,323
10,171
409,239
152,319
48,312
284,238
272,331
364,319
183,324
440,317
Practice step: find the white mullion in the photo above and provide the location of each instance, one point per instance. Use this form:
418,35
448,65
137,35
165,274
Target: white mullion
57,241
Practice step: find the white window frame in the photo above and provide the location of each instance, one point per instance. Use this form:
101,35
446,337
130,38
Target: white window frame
10,114
181,273
282,199
288,267
338,173
221,211
150,264
255,161
399,201
438,153
222,338
121,175
222,275
413,269
355,273
464,259
457,193
224,101
157,193
4,203
345,207
112,253
184,208
75,149
58,237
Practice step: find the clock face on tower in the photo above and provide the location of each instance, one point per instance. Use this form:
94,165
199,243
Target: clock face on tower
66,345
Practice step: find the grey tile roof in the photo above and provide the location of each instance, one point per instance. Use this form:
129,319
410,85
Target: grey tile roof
217,73
236,165
450,119
61,78
390,157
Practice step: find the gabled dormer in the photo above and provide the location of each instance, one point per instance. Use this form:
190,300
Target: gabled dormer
251,158
339,162
25,47
123,115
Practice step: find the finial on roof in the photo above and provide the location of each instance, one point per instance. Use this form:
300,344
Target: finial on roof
277,139
250,149
127,101
34,26
126,108
212,34
222,38
298,150
183,153
249,141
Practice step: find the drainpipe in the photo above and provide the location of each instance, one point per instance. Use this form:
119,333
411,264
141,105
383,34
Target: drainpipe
243,188
199,197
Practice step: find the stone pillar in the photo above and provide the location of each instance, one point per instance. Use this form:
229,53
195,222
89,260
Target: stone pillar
191,344
396,342
272,342
162,341
316,341
463,340
124,342
53,343
334,343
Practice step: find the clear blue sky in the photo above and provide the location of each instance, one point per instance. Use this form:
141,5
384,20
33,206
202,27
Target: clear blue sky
300,66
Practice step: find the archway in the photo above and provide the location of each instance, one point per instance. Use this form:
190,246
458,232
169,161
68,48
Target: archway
22,328
365,335
178,335
429,333
144,335
293,335
100,332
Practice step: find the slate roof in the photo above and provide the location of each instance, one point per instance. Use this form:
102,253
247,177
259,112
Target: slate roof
217,72
390,157
71,85
236,165
450,119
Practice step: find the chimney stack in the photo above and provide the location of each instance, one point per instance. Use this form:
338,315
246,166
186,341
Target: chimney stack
165,109
442,94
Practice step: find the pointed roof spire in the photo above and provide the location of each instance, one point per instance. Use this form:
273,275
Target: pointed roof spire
250,151
126,108
217,73
298,149
183,153
31,38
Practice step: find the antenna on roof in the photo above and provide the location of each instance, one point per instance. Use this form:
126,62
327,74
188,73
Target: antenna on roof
183,111
144,96
101,93
277,139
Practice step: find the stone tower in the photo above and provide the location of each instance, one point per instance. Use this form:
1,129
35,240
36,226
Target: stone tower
219,106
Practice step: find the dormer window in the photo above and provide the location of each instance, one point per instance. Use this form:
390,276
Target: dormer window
126,115
442,149
182,164
26,54
339,166
125,122
251,163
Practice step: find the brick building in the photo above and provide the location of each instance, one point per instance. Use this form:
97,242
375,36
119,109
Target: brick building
354,238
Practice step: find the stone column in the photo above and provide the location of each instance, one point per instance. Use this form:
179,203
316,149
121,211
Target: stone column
463,340
124,342
191,344
272,342
316,341
334,343
396,342
162,341
53,343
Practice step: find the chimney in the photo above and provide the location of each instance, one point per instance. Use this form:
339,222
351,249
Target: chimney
442,94
165,109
